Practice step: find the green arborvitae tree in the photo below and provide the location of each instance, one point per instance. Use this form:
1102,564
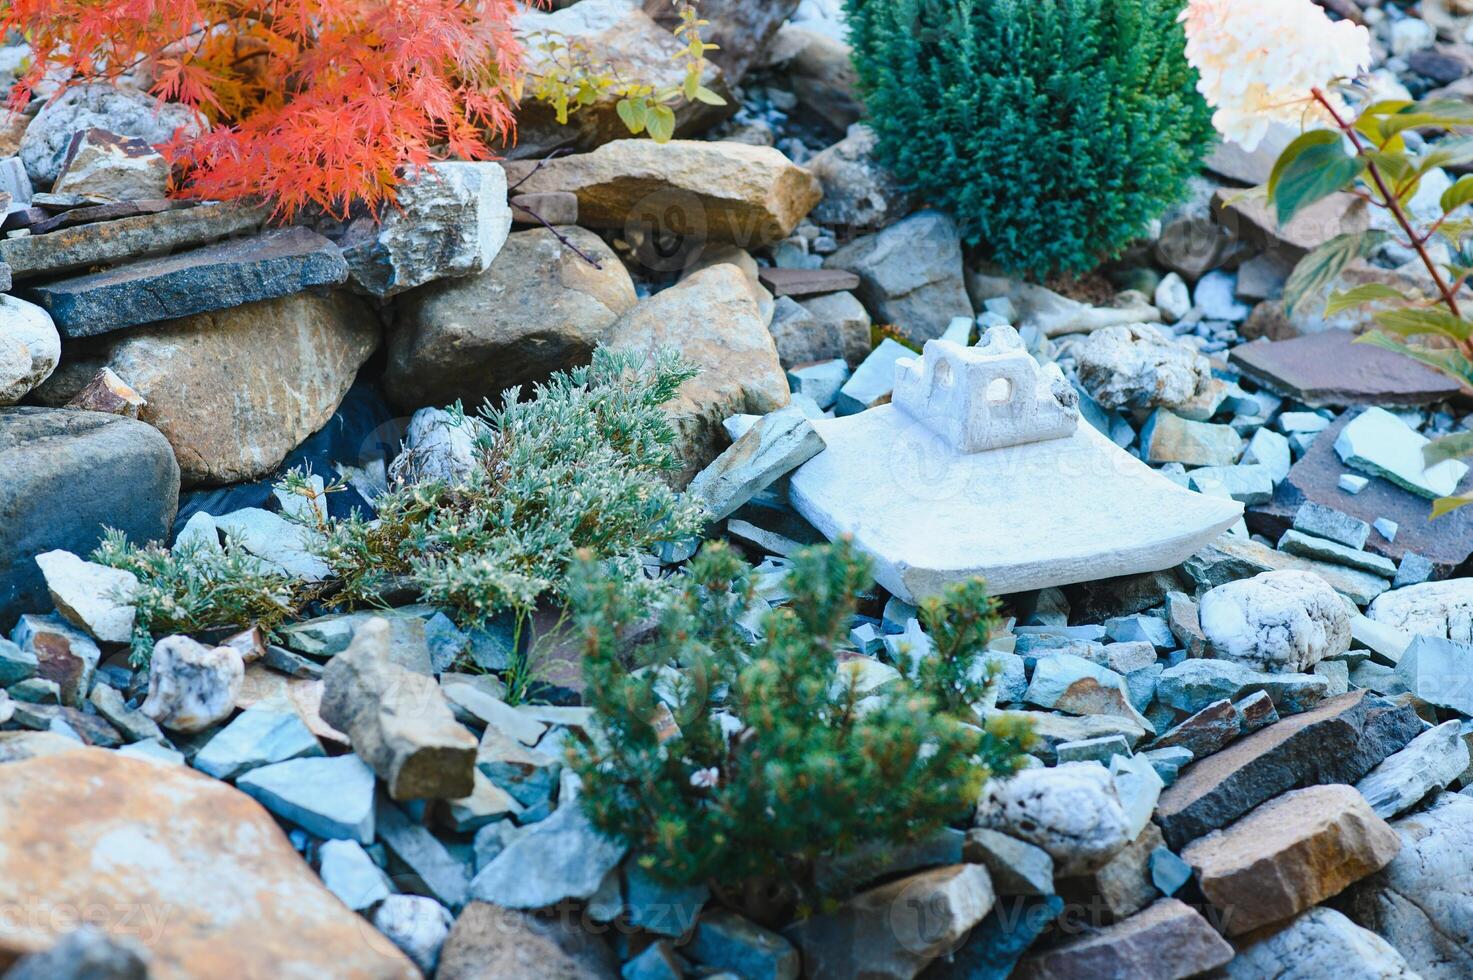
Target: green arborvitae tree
1054,131
747,755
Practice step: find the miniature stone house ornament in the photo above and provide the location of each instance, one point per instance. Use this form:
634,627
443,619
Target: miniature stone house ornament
980,466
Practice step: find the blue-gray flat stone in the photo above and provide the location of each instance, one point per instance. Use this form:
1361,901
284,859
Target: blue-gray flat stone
216,277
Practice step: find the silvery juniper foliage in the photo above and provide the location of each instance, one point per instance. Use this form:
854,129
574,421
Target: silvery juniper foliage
579,465
1053,130
196,587
747,763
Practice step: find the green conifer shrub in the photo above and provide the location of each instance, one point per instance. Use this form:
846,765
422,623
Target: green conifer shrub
1053,130
747,763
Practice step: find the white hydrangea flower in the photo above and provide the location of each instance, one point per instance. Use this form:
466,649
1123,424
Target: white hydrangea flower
1260,59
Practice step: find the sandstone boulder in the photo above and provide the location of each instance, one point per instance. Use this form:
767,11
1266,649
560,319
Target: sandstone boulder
236,390
539,308
211,884
1290,854
742,195
712,320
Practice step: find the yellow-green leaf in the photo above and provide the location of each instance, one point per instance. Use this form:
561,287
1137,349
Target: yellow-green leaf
632,114
1414,322
1458,194
709,97
1320,268
1448,447
1446,505
1359,296
661,123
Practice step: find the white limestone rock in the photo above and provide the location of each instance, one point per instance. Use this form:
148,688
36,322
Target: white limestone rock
929,485
1140,366
417,925
1427,763
279,543
98,106
1379,443
437,446
1439,609
1072,811
192,686
1283,621
1319,943
92,596
30,348
451,220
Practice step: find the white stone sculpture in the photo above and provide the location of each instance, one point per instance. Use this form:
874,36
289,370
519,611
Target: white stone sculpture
979,467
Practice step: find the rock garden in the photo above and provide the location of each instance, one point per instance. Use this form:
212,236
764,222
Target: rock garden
758,489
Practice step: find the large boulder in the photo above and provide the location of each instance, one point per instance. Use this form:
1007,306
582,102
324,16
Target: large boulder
67,476
30,348
97,106
910,274
712,320
623,40
193,868
236,390
539,308
742,195
1422,902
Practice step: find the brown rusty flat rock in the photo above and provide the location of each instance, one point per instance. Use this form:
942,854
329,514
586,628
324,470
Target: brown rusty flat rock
193,870
1289,854
1330,368
1446,542
1166,941
1337,741
807,282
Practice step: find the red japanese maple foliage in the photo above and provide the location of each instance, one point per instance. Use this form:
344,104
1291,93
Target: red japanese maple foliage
310,102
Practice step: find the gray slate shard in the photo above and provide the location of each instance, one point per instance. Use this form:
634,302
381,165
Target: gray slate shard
277,263
121,232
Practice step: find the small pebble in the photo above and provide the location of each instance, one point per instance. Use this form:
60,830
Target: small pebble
1387,528
1351,483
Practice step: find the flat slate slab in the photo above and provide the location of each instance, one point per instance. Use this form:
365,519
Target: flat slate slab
117,235
1446,542
1328,368
277,263
106,212
807,282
